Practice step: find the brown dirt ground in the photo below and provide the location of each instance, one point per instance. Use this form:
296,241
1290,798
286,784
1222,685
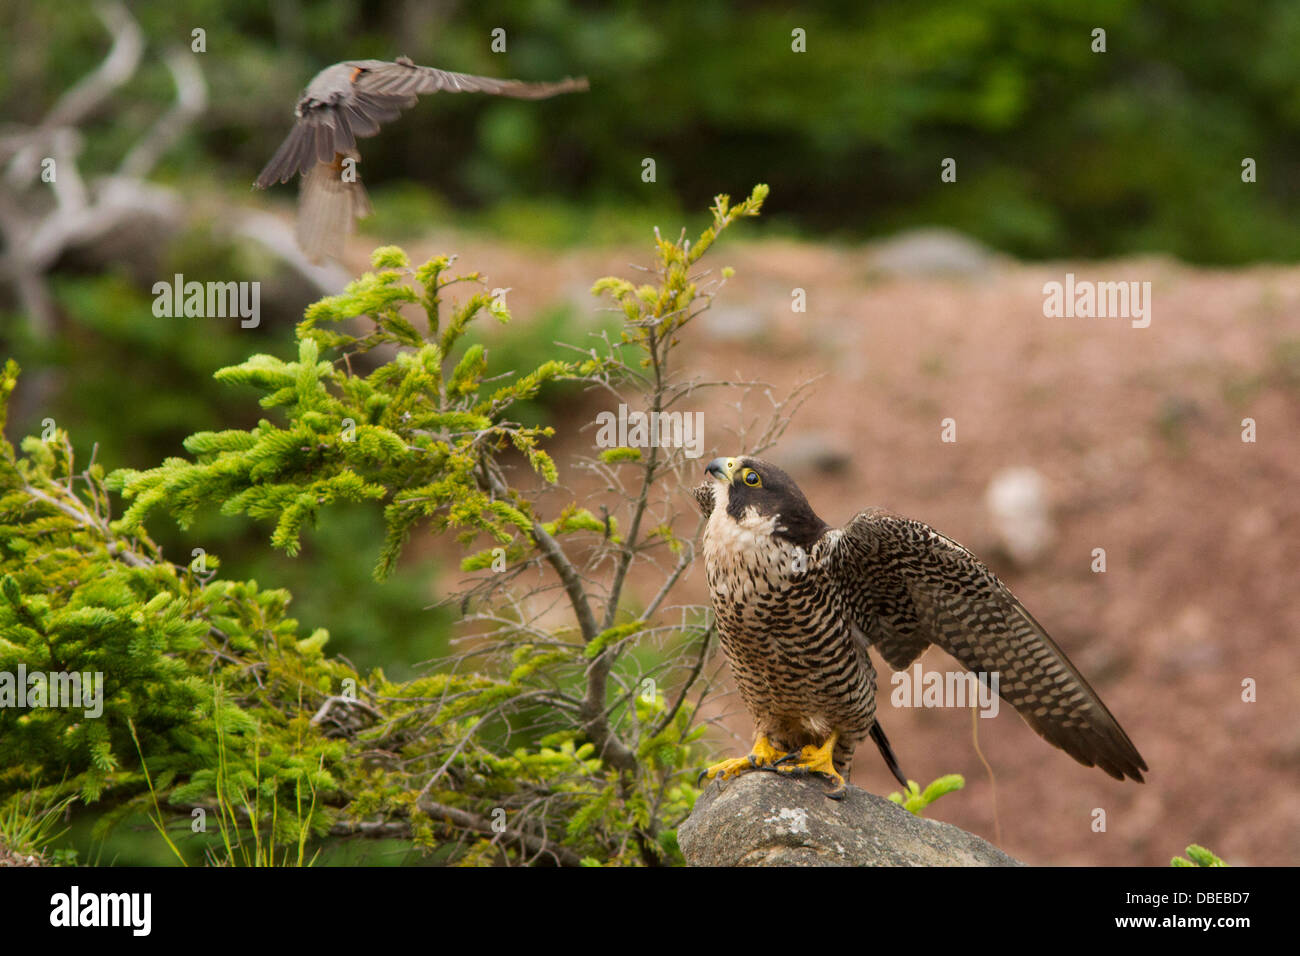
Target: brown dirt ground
1138,433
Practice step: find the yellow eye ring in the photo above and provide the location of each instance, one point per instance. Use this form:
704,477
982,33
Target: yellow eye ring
750,477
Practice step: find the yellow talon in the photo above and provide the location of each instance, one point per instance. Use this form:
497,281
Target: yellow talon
726,769
817,760
762,756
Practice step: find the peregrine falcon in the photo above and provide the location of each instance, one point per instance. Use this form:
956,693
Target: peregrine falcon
797,603
351,100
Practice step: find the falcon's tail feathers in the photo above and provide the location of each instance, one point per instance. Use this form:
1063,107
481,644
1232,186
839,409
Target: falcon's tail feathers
886,751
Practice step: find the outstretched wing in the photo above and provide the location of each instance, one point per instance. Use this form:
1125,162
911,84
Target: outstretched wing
909,586
405,78
350,101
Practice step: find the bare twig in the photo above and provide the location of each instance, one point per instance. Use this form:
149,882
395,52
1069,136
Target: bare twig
472,821
191,101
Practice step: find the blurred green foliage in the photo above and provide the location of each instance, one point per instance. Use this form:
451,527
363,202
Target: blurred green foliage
1060,150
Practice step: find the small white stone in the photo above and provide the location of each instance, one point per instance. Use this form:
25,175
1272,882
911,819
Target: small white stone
794,818
1017,501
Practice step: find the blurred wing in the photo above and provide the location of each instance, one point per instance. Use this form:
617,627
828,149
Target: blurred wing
296,154
324,130
909,586
407,78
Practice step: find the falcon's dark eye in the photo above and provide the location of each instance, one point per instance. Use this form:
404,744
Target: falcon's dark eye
751,478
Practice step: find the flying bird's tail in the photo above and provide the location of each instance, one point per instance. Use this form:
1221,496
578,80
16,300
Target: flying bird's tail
327,205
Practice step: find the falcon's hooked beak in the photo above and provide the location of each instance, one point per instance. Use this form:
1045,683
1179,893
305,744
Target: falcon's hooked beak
723,469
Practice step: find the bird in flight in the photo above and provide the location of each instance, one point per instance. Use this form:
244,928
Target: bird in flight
349,101
797,603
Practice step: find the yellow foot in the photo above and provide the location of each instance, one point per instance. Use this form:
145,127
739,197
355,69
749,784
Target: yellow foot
816,760
763,757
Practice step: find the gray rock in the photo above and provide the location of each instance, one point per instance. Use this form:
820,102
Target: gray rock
736,324
814,451
928,252
766,819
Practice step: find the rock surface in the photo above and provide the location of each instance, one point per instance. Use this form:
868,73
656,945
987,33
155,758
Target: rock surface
764,819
